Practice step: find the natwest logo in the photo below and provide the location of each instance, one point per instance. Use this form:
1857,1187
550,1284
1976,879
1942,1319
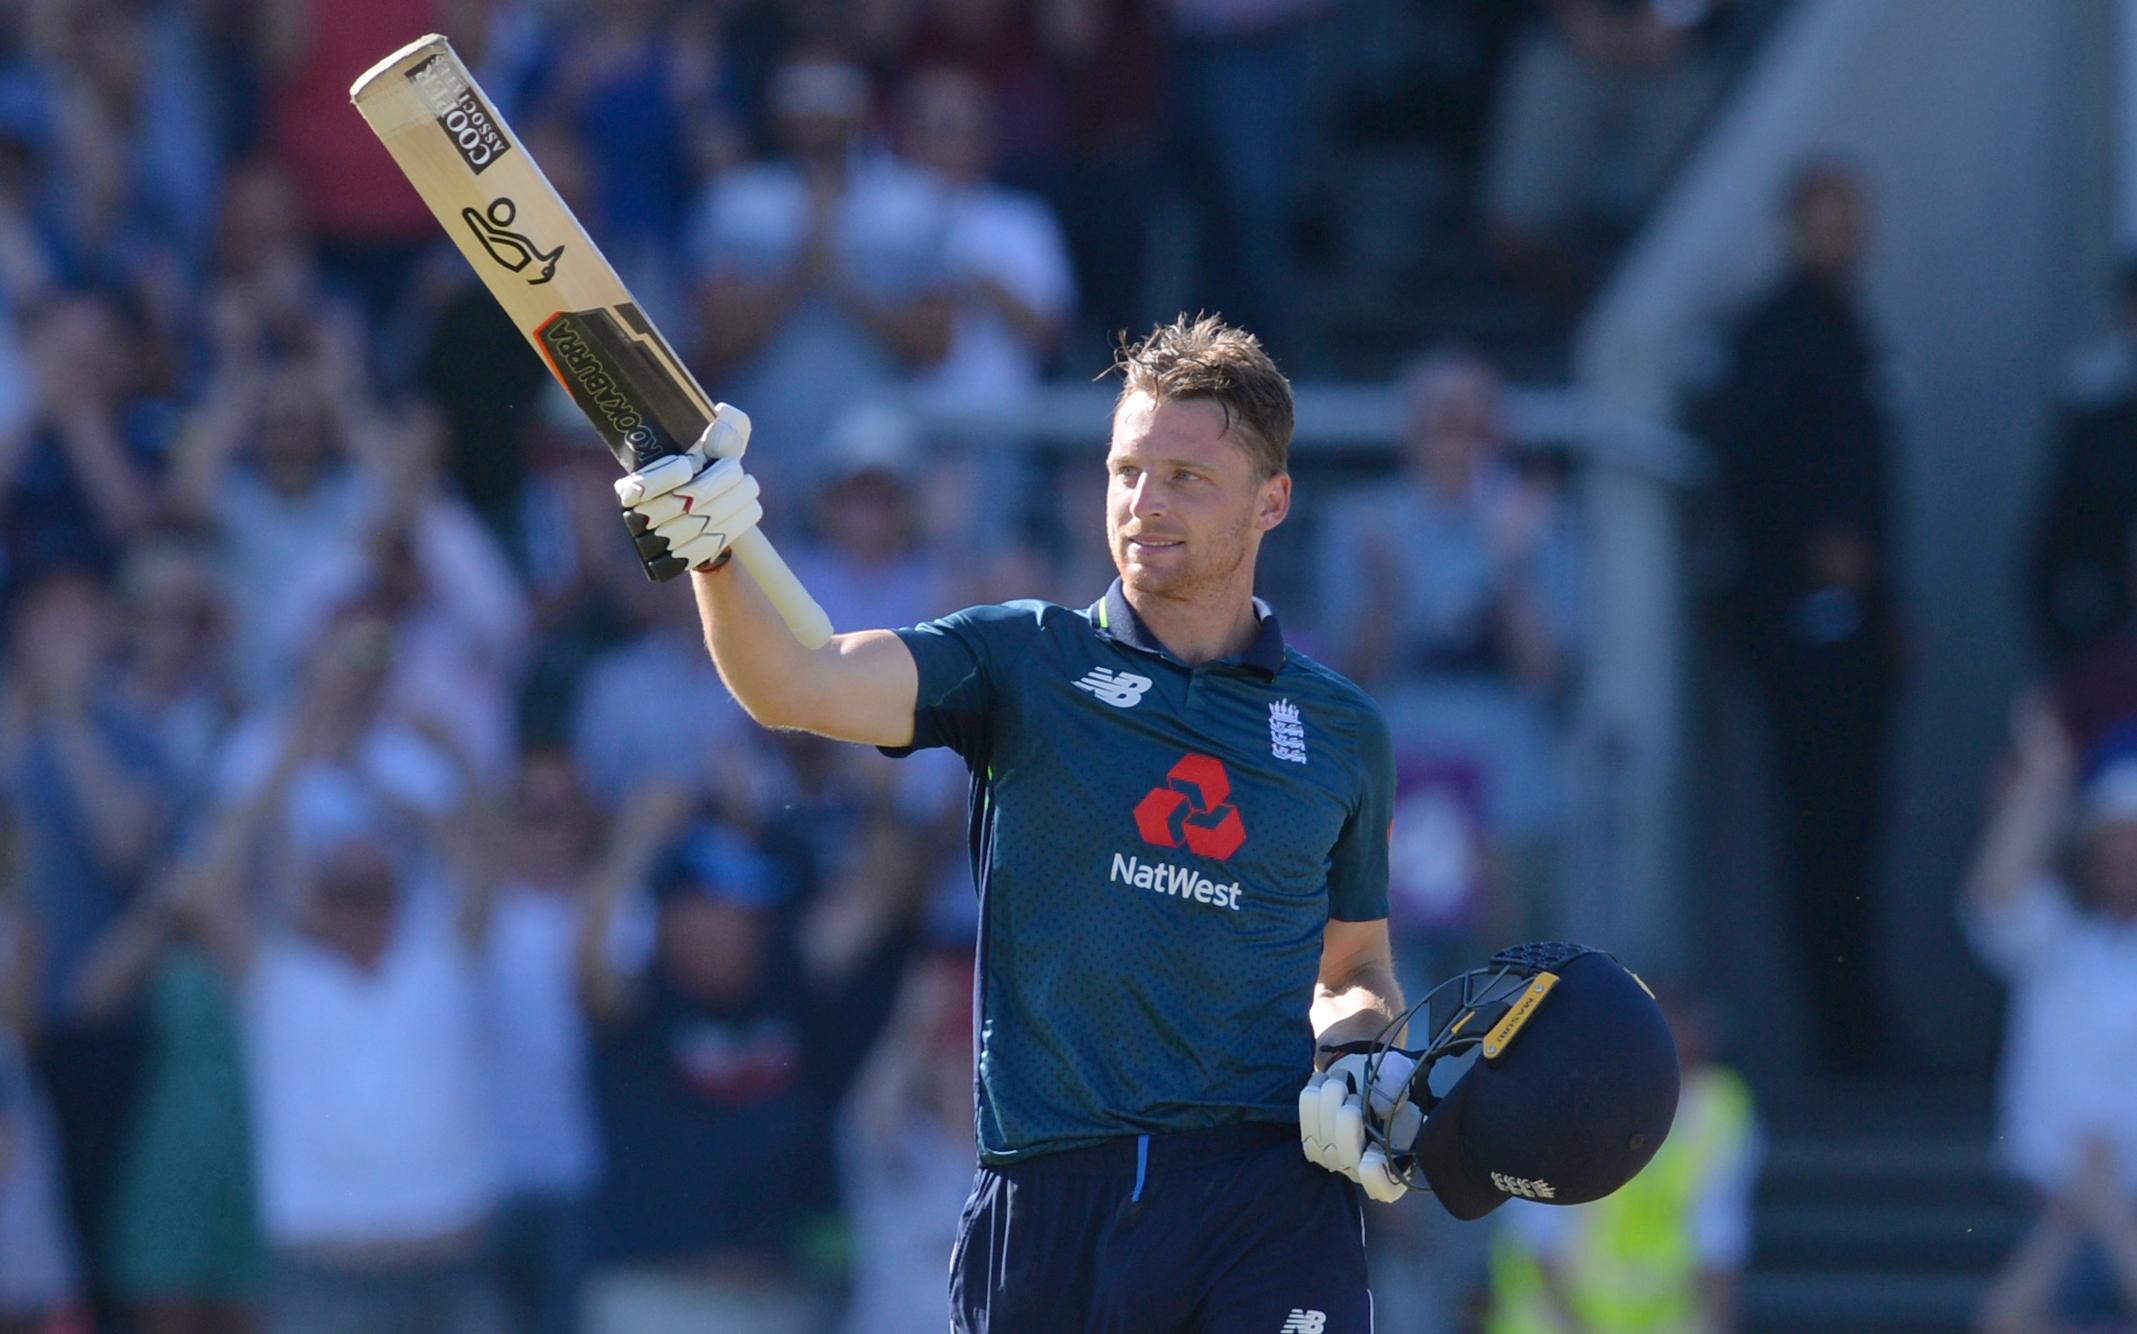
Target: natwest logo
1193,810
1173,881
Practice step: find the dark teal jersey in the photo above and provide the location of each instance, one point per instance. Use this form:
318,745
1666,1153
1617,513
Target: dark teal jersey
1158,849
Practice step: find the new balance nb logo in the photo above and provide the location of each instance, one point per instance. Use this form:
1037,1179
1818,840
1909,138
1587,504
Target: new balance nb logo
1304,1322
1120,689
1287,732
1526,1187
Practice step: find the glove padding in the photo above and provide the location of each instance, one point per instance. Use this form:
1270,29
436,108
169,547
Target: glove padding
1332,1120
686,510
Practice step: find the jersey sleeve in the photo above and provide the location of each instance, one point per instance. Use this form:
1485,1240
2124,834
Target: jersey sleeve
960,680
1358,866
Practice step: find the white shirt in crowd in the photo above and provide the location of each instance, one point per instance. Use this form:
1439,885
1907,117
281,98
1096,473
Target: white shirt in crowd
371,1125
459,652
265,535
1013,239
535,1044
886,231
2069,1067
392,764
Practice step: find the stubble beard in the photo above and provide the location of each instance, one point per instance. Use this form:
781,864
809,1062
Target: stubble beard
1203,573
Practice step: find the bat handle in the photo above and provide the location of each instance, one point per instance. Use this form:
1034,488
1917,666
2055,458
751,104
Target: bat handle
795,606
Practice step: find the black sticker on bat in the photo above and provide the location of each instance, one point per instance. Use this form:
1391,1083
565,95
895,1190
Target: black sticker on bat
634,395
514,250
469,125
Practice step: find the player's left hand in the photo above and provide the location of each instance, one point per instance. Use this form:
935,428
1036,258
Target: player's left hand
1333,1120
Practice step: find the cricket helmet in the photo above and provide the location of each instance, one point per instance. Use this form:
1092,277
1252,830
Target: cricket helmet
1559,1076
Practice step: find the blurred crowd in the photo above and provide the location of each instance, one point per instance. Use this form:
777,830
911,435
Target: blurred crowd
2051,903
358,968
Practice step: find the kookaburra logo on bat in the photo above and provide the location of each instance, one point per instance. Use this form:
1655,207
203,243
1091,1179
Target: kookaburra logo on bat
515,250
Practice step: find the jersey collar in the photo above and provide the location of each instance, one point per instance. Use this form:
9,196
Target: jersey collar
1117,619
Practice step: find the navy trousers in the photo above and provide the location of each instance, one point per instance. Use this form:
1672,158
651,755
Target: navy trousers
1222,1231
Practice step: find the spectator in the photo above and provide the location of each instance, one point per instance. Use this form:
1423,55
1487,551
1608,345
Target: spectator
1806,450
1112,56
87,471
821,278
1601,100
547,862
135,151
2079,581
372,228
475,366
873,836
566,539
1239,77
275,457
2096,694
87,787
662,658
1002,46
2066,945
175,673
460,617
1664,1252
871,560
717,1144
637,84
1006,260
2076,1269
876,834
1010,275
906,1149
336,736
578,563
867,844
1457,596
263,260
375,1159
37,1275
29,268
185,1251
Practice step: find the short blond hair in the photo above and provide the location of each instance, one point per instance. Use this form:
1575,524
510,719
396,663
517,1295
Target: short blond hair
1203,357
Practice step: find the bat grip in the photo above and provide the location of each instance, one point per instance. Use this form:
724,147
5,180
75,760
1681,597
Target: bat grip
789,598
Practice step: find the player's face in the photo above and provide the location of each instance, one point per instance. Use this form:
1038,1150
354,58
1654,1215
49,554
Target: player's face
1185,505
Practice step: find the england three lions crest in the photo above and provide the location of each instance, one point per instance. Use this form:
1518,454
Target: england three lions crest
1287,733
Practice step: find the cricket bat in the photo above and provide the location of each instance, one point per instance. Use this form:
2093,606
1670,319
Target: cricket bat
539,263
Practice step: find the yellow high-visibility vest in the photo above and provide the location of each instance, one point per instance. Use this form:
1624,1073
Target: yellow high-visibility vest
1633,1267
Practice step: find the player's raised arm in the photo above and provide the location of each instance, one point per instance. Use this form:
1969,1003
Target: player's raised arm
686,512
859,687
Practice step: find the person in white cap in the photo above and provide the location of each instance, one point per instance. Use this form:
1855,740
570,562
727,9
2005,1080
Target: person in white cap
2063,937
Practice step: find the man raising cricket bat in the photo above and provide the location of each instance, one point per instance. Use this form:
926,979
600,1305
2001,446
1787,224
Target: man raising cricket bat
1179,834
1179,828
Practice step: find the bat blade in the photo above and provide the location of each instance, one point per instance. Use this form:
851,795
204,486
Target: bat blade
535,258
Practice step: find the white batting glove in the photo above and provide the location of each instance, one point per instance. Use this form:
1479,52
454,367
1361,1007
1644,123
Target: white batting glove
1332,1120
684,511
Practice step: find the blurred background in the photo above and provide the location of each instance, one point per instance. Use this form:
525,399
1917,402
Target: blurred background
1717,450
